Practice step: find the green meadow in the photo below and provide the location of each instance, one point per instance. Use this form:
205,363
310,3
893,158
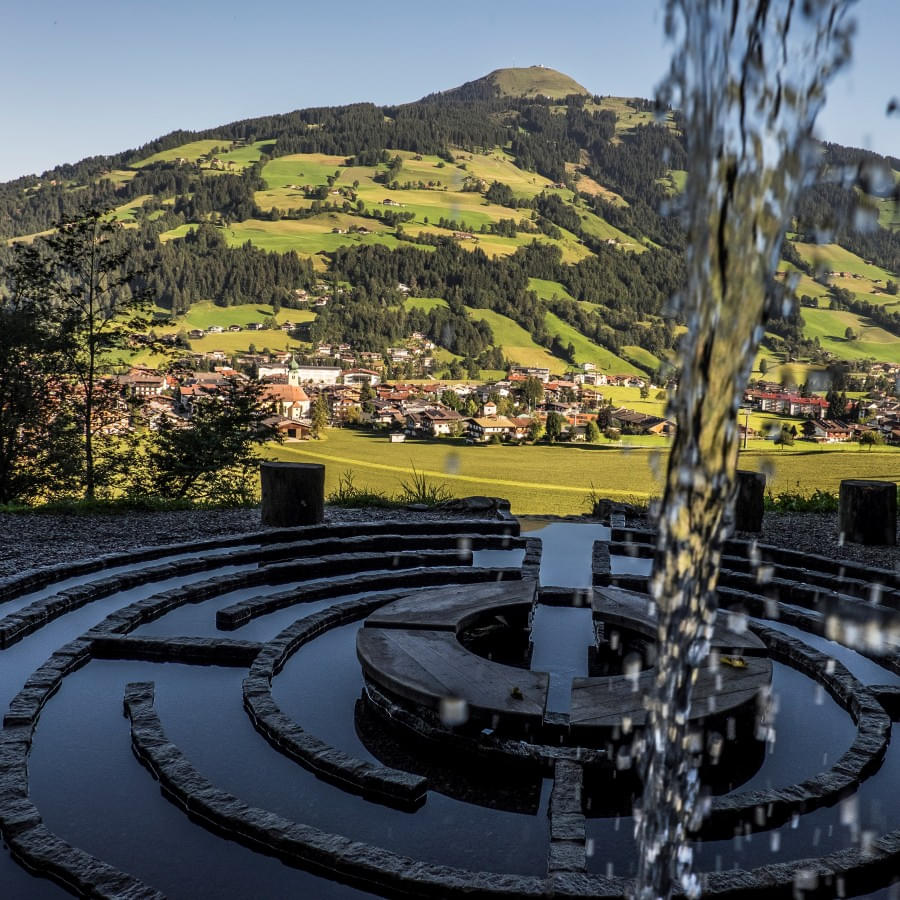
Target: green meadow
516,342
586,350
191,151
548,290
836,259
558,478
830,325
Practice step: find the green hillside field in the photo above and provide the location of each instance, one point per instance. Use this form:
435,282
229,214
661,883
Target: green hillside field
586,350
557,479
829,326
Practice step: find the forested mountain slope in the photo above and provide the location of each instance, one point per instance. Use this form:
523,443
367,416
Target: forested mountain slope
520,194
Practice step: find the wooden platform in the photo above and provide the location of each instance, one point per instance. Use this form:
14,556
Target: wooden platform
427,666
632,610
453,608
410,649
607,702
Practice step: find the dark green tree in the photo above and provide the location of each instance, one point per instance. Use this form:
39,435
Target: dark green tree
837,404
36,430
98,313
532,391
320,415
367,398
554,426
214,457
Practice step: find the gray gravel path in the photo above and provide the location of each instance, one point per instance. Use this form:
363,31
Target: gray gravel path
31,540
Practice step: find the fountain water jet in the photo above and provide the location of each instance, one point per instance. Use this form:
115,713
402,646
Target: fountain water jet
749,79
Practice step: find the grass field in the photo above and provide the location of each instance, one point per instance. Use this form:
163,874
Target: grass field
601,229
498,165
203,315
243,156
557,479
627,117
548,290
305,236
517,343
829,326
287,175
586,350
426,304
586,185
836,259
125,213
206,313
534,81
640,357
191,151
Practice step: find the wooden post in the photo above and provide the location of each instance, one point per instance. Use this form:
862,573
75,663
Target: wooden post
748,500
868,511
292,494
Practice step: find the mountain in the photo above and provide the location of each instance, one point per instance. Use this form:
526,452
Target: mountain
521,213
534,81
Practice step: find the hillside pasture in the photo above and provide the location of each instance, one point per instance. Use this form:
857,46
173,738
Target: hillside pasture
425,304
548,290
640,357
586,185
119,177
493,245
518,345
888,212
306,236
206,314
586,350
241,157
534,81
498,165
556,479
835,258
627,117
830,325
125,212
301,169
601,229
191,151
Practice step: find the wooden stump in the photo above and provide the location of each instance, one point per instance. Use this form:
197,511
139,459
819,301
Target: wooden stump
868,512
292,494
748,500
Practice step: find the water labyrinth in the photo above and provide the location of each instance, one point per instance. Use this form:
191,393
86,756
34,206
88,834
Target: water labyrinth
432,709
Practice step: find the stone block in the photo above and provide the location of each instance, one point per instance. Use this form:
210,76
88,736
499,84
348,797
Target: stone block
868,512
292,494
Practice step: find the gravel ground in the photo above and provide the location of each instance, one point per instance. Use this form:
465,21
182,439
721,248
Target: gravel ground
31,540
819,533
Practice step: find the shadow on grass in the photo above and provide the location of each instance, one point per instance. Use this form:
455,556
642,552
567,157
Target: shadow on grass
460,443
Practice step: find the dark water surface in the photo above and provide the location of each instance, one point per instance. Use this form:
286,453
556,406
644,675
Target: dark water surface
91,790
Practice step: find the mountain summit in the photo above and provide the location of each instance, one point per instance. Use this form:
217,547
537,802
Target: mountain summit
533,81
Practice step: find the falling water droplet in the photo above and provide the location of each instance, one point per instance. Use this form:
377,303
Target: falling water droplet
454,711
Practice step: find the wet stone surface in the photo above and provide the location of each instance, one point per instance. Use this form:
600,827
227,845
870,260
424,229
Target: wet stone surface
291,558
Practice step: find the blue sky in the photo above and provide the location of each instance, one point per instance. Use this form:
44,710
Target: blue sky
99,76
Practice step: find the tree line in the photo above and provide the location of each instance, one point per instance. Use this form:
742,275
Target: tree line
73,306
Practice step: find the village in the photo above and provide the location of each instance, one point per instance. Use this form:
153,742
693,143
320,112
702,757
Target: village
396,393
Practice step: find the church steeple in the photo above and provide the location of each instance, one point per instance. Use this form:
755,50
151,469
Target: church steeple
294,372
